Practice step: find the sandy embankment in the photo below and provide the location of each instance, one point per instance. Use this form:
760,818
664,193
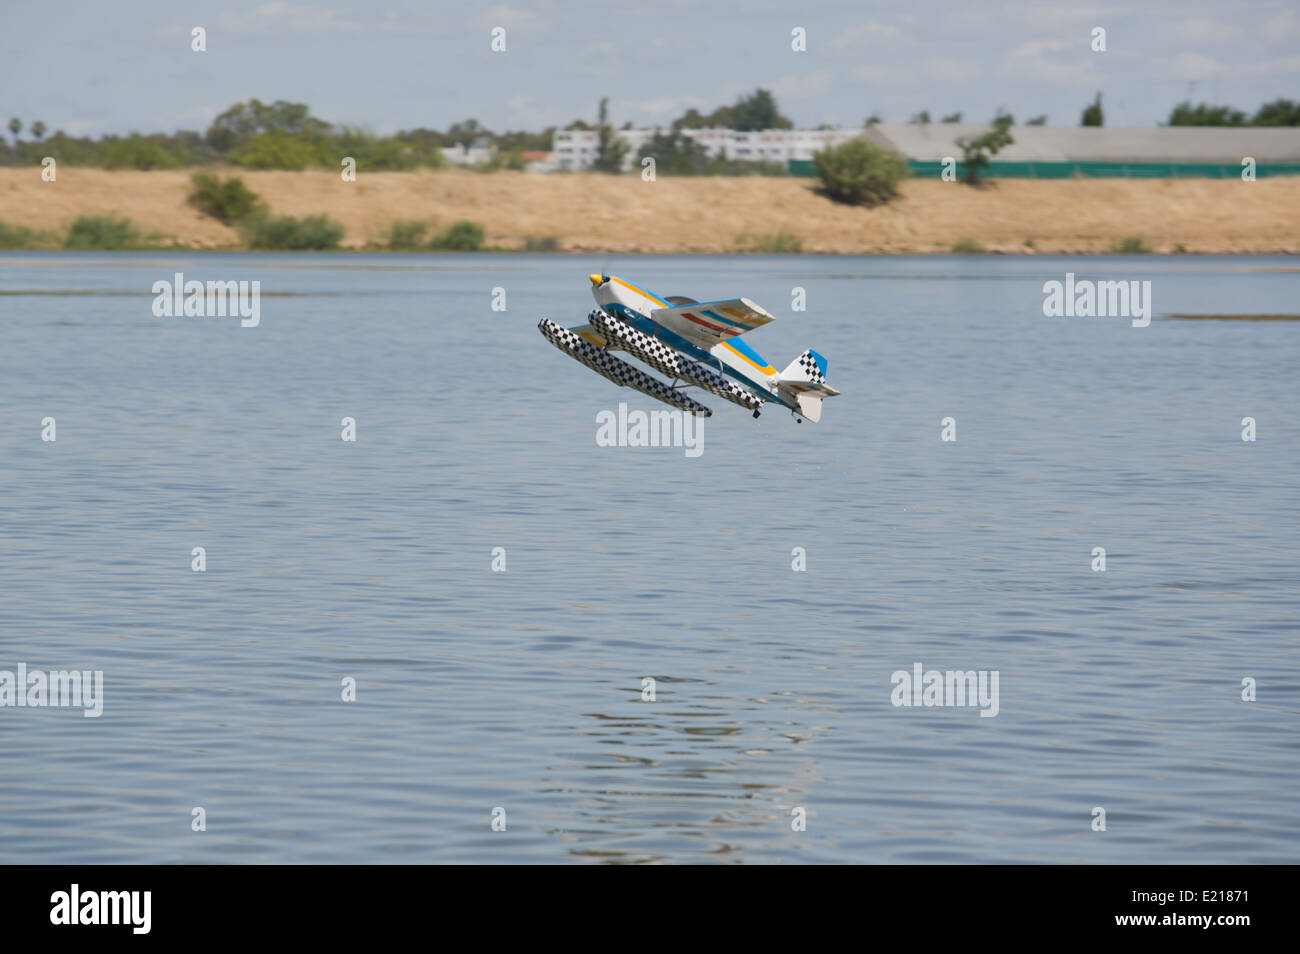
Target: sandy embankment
597,213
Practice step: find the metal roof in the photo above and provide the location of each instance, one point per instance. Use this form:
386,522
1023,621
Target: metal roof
1190,144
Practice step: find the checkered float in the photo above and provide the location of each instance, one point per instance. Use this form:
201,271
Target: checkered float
620,372
663,358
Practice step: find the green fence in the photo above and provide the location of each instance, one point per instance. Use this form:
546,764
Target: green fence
1098,170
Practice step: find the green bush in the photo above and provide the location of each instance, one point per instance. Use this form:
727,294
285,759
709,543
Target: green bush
541,243
407,234
137,152
860,172
101,232
287,233
775,243
227,201
279,150
966,246
1131,245
15,236
461,236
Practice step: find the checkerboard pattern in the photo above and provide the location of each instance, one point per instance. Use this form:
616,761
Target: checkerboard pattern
620,372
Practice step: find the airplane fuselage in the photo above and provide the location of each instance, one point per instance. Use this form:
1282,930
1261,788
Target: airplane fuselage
633,305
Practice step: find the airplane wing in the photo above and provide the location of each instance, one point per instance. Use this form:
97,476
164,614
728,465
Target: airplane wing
709,322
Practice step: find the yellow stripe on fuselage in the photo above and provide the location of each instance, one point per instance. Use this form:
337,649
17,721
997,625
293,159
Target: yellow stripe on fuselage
640,291
768,370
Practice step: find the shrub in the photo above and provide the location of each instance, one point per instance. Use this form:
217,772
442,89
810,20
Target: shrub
287,233
966,246
227,201
407,233
101,232
776,243
860,172
14,236
461,236
976,150
543,243
1130,245
278,150
137,152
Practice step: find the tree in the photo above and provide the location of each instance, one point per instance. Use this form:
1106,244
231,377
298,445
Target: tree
1037,120
951,118
38,129
1092,115
1280,112
15,127
757,111
873,120
1203,114
976,150
246,120
860,172
920,119
675,153
612,148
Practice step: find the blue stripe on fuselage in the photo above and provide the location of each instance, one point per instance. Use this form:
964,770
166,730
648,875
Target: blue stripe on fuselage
674,340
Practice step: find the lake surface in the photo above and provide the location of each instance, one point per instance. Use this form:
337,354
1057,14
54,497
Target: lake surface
522,690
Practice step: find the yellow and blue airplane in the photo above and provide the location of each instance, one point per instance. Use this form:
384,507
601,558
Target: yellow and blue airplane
695,343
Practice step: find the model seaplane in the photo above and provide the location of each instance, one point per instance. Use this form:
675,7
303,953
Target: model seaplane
697,344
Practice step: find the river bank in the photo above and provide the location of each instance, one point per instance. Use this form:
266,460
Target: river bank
623,214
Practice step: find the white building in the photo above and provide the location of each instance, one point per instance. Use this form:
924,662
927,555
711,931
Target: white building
481,151
577,149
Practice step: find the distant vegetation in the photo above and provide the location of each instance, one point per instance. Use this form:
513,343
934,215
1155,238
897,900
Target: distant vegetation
976,150
285,135
1280,112
1131,245
860,172
252,134
101,232
226,201
405,235
966,246
774,243
460,236
16,236
541,243
288,233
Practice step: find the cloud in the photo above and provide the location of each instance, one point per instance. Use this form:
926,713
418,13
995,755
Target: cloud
873,75
1195,66
1042,61
281,19
503,15
801,87
1202,30
1058,18
662,106
868,34
950,71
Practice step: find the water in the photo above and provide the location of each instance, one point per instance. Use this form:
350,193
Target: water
522,690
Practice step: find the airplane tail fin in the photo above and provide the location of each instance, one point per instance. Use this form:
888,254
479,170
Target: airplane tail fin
804,379
809,366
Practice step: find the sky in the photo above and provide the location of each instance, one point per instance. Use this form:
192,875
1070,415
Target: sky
90,67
